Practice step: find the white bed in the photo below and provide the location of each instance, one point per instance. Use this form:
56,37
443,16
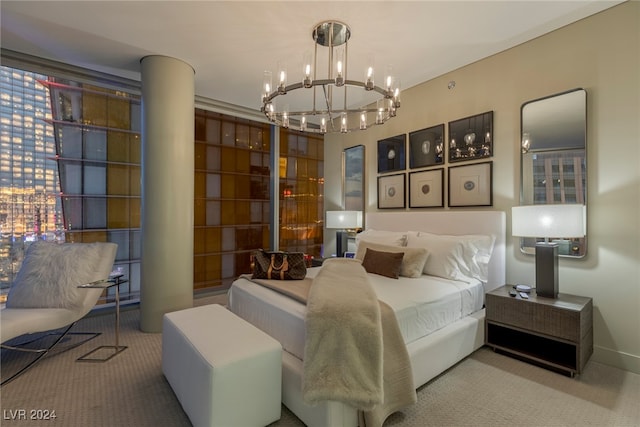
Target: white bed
438,334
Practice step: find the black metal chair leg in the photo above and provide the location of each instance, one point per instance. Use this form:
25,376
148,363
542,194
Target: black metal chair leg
44,351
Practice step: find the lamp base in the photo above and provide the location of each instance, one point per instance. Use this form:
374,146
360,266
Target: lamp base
341,243
547,270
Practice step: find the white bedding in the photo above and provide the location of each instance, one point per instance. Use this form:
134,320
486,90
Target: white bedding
430,355
422,305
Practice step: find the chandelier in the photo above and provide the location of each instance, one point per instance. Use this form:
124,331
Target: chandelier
319,103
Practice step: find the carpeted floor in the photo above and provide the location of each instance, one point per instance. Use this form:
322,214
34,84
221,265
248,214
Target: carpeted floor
486,389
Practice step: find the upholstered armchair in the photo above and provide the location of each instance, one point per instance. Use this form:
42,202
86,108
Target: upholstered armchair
45,295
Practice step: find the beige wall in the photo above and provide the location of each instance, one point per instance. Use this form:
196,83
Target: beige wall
600,54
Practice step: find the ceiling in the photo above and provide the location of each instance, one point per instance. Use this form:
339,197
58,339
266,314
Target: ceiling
229,44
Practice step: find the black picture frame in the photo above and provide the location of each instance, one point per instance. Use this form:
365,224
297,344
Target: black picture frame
471,185
426,188
392,191
471,138
391,154
426,147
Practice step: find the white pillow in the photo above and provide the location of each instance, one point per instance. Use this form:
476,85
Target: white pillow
51,272
391,238
445,256
477,249
413,259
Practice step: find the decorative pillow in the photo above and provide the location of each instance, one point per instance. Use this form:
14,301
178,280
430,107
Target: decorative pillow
477,249
445,256
383,263
392,238
412,262
51,272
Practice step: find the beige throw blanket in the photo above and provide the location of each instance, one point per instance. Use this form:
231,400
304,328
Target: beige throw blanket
343,347
354,351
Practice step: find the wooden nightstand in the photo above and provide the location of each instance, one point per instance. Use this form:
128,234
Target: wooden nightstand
555,333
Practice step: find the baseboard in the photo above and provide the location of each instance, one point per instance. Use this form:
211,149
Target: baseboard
617,359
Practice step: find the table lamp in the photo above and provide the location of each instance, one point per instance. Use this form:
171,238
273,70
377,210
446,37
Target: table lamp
548,221
348,222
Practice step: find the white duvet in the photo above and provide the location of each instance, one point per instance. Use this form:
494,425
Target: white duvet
422,305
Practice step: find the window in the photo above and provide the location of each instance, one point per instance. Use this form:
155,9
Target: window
301,192
70,156
70,170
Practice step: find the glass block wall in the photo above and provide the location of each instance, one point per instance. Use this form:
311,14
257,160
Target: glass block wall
231,196
232,190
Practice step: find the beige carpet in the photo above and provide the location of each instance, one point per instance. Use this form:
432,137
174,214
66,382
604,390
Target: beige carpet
486,389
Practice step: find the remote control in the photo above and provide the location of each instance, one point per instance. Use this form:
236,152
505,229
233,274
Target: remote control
524,295
512,293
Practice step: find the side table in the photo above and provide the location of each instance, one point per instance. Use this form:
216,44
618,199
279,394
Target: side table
554,332
112,281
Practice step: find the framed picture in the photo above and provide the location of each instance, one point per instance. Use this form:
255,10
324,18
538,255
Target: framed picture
391,154
471,138
426,147
426,189
391,191
353,178
471,185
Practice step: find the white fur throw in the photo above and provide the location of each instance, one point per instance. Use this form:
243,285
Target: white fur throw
51,272
354,351
343,347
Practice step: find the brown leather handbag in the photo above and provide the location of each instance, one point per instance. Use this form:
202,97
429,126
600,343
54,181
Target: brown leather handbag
279,265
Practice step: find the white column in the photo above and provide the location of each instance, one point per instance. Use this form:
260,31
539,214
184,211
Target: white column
167,189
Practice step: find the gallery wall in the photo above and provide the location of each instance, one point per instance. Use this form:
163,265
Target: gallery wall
600,54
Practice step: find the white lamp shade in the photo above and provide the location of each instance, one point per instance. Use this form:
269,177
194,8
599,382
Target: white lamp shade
549,220
344,219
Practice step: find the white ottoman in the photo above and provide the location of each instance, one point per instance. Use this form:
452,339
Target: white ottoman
224,371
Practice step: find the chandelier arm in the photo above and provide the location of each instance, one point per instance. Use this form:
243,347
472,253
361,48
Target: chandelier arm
324,82
335,113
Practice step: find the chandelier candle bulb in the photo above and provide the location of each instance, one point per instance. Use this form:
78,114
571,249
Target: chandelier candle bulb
306,69
282,79
389,82
380,111
369,79
266,85
343,123
363,120
340,72
396,95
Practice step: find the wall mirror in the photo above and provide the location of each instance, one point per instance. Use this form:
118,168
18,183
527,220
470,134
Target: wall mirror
353,178
554,159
